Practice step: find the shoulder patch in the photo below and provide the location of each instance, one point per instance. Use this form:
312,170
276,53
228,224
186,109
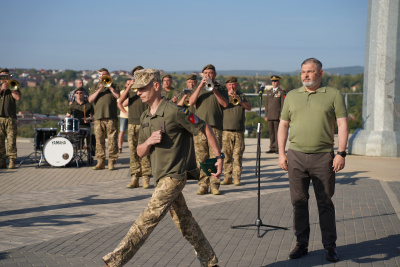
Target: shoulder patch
193,119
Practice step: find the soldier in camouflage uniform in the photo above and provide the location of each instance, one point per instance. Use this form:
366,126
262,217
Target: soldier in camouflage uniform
209,105
8,122
105,122
233,134
139,167
166,134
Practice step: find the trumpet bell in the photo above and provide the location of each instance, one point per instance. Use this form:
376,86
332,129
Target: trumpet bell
209,85
236,101
186,102
106,80
13,85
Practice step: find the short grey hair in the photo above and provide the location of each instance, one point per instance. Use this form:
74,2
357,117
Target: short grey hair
316,62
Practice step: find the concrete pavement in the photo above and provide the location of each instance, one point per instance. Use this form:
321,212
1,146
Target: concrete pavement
73,216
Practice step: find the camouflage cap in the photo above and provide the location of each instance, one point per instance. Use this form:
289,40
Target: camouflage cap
275,78
145,76
232,79
208,67
192,77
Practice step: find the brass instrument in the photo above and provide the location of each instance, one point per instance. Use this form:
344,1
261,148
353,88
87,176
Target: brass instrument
235,100
133,89
186,102
13,85
106,81
209,84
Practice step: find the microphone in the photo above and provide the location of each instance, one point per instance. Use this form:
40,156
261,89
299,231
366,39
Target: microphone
262,87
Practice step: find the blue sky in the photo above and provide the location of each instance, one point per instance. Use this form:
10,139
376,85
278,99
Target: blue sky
182,35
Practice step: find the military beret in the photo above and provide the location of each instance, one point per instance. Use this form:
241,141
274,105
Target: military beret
4,70
166,76
80,89
208,67
275,78
231,80
192,77
103,69
136,68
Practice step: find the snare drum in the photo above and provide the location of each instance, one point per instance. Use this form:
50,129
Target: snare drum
42,135
70,125
58,151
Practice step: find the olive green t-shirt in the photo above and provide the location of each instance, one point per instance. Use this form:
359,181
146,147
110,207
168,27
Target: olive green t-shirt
8,106
105,105
169,95
208,107
174,156
81,111
312,117
136,108
234,116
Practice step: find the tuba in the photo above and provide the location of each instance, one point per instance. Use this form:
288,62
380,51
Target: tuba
13,85
209,84
106,80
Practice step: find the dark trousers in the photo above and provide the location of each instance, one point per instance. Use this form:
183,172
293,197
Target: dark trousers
316,167
273,134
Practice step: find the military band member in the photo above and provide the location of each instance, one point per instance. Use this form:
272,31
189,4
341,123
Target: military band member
183,101
105,121
273,108
233,134
168,92
209,105
139,167
8,122
71,95
165,134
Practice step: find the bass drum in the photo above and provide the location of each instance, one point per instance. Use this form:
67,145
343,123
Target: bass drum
58,151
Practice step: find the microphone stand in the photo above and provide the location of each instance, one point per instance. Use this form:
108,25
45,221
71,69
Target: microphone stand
258,223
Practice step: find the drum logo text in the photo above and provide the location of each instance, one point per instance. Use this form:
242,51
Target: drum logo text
58,142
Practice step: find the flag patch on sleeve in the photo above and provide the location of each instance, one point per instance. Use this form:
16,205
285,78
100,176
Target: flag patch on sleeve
193,119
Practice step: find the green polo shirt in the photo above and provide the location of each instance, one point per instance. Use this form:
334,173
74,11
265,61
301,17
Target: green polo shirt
81,111
312,117
136,108
174,156
8,105
169,95
234,116
208,107
105,105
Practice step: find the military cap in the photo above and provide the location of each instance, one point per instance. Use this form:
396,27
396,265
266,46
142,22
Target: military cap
136,68
166,76
275,78
208,67
80,89
192,77
103,69
145,76
232,79
4,70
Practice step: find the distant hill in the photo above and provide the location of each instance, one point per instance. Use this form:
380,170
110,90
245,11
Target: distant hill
335,71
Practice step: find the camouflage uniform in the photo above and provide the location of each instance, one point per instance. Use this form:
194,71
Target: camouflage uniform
203,152
106,128
233,147
138,166
8,130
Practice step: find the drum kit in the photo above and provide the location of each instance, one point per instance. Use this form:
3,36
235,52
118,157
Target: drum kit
60,149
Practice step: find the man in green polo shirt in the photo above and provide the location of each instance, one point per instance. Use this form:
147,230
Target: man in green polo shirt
209,107
8,121
166,134
233,134
311,112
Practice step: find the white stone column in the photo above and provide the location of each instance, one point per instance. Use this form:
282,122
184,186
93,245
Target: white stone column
380,135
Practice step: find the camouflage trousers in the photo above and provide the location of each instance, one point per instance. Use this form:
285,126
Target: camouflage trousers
138,166
167,196
8,130
106,128
203,152
233,147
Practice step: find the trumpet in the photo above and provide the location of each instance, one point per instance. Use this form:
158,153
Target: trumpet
209,84
13,85
133,89
106,80
235,100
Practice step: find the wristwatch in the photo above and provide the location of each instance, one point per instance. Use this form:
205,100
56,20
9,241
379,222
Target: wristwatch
342,153
222,156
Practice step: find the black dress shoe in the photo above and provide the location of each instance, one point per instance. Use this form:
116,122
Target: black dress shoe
298,252
331,254
270,151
